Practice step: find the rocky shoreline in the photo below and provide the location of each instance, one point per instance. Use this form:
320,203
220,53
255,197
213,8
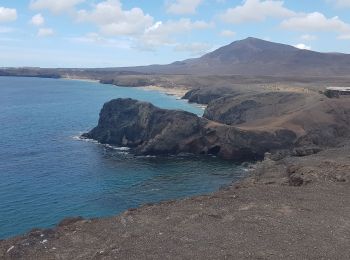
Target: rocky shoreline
149,130
295,204
236,126
294,208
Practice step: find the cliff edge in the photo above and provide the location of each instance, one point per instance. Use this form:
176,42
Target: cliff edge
149,130
238,128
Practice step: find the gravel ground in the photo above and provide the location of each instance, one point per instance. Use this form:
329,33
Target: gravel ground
294,208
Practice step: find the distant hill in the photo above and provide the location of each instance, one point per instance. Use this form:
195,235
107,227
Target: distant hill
248,57
255,57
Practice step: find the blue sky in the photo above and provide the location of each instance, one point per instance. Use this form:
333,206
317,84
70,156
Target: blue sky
107,33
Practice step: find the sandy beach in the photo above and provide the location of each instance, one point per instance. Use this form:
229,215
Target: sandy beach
177,92
81,79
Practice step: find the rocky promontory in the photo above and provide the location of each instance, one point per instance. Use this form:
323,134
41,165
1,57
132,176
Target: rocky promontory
149,130
239,128
290,207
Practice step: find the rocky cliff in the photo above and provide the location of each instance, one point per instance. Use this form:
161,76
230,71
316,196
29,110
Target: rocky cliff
314,118
240,128
153,131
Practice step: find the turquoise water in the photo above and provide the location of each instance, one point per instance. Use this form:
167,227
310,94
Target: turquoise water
47,174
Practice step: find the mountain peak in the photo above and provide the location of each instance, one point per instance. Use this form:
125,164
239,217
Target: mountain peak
252,39
257,57
248,50
259,43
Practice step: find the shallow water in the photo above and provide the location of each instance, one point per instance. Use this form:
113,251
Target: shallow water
47,174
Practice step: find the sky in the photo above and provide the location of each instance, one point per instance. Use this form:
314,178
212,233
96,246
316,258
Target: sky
114,33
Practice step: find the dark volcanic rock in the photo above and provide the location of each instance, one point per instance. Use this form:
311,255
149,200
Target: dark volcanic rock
234,110
206,95
69,221
144,127
151,130
317,122
297,208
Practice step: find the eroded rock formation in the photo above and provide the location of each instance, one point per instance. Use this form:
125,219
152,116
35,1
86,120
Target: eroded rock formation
150,130
241,129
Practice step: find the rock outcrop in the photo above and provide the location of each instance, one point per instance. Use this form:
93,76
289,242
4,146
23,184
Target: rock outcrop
206,95
235,110
146,128
315,119
241,128
149,130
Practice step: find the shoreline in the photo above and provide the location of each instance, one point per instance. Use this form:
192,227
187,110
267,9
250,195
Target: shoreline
279,215
176,92
81,79
286,208
173,92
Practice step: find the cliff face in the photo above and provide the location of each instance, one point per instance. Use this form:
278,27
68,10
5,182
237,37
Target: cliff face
241,128
316,119
206,95
246,108
149,130
146,128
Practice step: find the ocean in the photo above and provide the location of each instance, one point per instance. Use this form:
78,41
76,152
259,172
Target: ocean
47,173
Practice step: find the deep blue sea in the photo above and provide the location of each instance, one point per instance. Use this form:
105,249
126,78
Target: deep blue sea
47,174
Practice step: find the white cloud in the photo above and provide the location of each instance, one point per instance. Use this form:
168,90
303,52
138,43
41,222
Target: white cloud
344,37
182,25
37,20
135,26
308,37
95,38
196,48
340,3
89,38
227,33
111,19
255,11
317,22
302,46
55,6
7,14
184,6
5,29
163,33
45,32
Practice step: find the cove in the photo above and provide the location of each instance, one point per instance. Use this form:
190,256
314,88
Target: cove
47,174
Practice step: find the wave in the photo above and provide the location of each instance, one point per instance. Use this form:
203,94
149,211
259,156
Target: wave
120,149
80,138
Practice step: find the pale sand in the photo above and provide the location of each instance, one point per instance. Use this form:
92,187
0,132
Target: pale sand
82,79
177,92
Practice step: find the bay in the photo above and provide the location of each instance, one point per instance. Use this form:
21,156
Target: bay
48,174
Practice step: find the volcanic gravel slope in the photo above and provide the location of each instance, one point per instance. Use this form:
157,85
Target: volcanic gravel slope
294,208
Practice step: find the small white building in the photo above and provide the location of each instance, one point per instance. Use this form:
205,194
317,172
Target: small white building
342,89
337,91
